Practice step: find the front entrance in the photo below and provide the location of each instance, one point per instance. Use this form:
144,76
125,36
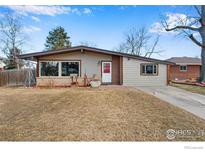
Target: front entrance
106,72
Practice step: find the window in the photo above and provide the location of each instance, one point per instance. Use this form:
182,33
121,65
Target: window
183,68
70,67
149,69
49,68
106,68
59,68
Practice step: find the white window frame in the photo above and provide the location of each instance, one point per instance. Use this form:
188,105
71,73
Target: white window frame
145,74
59,67
183,66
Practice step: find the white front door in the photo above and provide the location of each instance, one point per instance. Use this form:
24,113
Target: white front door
106,72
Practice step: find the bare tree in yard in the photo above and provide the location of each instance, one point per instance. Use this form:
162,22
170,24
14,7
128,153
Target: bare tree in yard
139,42
11,39
190,26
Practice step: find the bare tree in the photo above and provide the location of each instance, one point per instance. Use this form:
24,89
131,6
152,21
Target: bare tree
189,26
11,37
139,42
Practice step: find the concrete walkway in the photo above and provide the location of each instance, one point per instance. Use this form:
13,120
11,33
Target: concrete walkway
194,103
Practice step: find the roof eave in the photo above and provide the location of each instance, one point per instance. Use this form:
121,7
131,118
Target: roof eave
34,56
188,63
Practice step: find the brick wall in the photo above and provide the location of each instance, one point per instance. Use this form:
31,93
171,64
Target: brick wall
193,71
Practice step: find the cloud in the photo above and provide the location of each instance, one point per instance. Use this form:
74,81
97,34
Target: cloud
35,18
3,29
31,29
87,11
172,20
125,7
40,10
76,11
1,15
83,11
157,28
46,10
26,29
122,7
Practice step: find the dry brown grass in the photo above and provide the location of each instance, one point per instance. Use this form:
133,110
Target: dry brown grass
191,88
84,114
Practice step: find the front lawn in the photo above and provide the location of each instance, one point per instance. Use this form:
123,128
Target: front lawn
191,88
85,114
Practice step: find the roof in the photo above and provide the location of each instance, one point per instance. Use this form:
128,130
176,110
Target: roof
185,60
85,48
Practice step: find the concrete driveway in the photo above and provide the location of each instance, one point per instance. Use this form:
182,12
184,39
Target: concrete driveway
194,103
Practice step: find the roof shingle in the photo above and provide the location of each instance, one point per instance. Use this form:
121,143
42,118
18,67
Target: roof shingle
185,60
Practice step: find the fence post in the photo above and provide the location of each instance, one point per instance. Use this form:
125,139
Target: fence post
0,78
8,79
16,76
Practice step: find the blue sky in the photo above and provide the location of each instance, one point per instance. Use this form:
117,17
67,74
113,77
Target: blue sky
101,25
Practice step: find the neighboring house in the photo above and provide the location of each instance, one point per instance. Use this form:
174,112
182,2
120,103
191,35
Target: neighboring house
184,68
2,64
110,67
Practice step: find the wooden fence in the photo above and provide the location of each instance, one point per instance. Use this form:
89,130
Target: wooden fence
22,77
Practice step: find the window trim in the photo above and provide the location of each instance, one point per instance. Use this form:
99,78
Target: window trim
59,67
145,74
78,61
183,70
48,61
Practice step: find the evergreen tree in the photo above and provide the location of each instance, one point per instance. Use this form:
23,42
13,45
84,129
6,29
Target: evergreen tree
57,39
13,60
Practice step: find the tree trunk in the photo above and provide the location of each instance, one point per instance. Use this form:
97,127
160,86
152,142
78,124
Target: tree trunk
202,64
17,63
15,55
202,32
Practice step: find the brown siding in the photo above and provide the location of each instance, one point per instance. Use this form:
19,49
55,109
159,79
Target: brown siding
193,71
121,70
115,70
168,74
37,68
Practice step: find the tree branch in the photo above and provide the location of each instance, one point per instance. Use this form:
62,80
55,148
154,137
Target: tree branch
197,10
196,41
182,27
